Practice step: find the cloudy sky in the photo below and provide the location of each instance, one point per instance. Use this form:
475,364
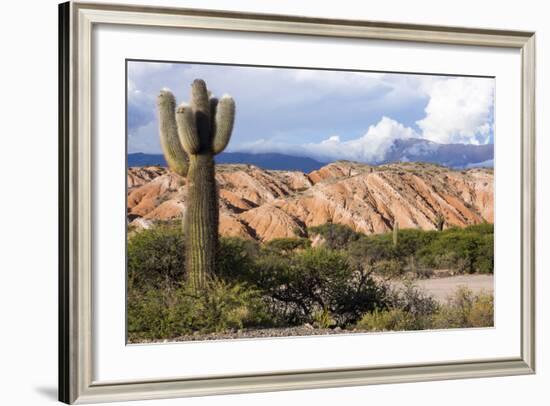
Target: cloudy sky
326,115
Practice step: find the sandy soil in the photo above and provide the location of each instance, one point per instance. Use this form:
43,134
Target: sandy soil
441,288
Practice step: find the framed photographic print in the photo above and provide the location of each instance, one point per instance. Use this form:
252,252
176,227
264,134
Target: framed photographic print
262,202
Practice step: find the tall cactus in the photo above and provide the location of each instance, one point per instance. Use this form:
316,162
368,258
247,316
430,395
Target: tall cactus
439,221
203,130
395,232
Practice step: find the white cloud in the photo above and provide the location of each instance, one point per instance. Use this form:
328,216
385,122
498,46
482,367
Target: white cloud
371,147
459,111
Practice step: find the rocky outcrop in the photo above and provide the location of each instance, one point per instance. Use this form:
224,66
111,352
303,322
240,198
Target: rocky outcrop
263,205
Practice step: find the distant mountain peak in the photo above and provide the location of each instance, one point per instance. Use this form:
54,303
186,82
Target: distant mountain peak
456,156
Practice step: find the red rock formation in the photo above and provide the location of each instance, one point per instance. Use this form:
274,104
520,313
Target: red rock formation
263,205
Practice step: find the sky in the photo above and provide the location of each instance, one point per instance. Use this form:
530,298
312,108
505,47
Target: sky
322,114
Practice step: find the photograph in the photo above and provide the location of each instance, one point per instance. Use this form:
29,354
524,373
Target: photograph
271,202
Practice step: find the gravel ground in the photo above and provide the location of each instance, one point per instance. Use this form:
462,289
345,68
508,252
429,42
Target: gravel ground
305,330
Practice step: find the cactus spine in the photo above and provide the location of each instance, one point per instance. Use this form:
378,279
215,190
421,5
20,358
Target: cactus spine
203,130
395,232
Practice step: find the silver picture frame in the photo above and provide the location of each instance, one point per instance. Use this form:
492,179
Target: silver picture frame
76,21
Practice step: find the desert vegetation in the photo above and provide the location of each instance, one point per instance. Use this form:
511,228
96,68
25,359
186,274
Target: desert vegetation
417,253
343,285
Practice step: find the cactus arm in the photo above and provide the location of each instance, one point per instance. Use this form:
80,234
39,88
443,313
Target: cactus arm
224,119
201,106
175,156
213,107
187,129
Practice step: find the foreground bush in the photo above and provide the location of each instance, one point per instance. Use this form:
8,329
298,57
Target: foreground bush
466,309
387,320
417,303
410,309
317,281
235,259
159,314
155,258
283,283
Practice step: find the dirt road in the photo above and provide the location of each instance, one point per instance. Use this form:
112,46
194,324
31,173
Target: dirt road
441,288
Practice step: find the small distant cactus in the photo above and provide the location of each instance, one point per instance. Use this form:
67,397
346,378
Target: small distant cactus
395,232
439,222
203,129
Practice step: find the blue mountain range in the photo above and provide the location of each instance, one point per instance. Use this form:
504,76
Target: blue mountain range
265,161
457,156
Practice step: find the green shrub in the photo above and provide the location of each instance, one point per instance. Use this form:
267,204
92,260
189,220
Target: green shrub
149,314
411,241
317,279
465,309
387,320
481,229
466,250
235,260
419,306
323,319
460,248
287,245
375,248
414,300
482,311
484,262
389,268
221,307
410,309
371,250
156,258
161,306
160,314
337,236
